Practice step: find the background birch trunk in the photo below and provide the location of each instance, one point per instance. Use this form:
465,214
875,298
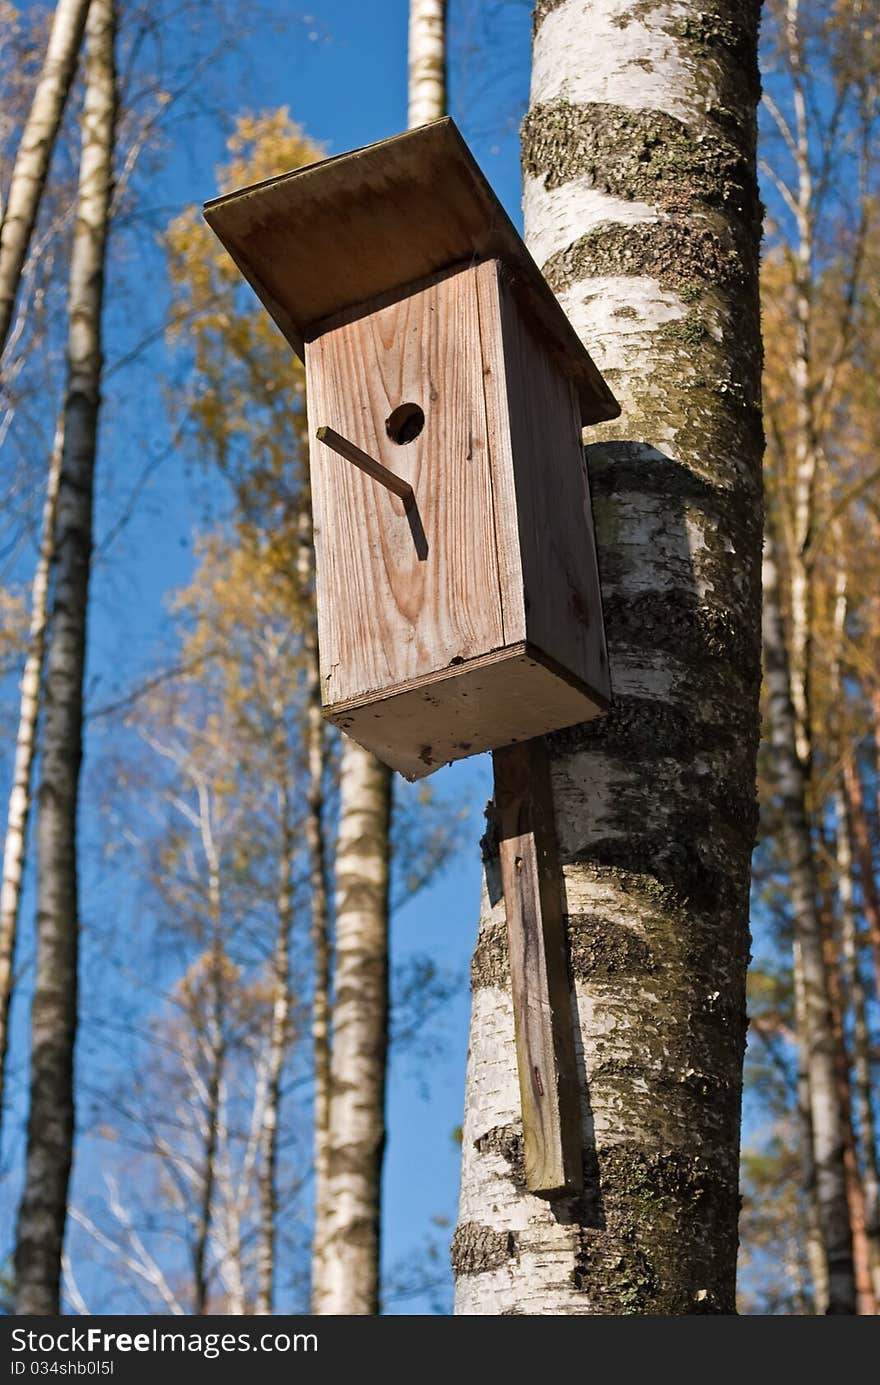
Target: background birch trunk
215,1050
806,442
278,1041
320,906
316,754
35,152
815,1246
350,1269
348,1241
861,1041
845,982
862,1156
828,1133
855,1195
18,813
427,61
641,208
858,823
817,321
42,1214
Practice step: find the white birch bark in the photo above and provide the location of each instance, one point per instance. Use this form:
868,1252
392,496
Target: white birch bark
278,1040
320,906
829,1135
18,812
641,208
35,152
215,1050
350,1272
815,1247
861,1044
427,61
858,821
863,1135
42,1214
846,985
319,902
806,441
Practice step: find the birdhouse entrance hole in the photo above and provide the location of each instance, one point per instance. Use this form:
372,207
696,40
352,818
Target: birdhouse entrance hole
405,423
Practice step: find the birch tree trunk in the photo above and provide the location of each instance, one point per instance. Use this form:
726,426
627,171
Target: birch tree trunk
855,992
815,1247
316,750
350,1272
277,1048
427,61
318,891
35,152
806,441
347,1260
829,1142
641,208
215,1051
855,1193
875,709
858,820
835,944
42,1213
19,809
205,1205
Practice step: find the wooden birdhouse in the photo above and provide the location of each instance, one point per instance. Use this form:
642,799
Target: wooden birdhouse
457,588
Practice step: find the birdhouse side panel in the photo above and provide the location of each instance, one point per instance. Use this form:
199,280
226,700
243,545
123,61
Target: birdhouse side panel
563,602
510,570
404,589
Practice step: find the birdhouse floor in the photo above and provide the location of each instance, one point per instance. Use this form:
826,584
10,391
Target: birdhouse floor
509,695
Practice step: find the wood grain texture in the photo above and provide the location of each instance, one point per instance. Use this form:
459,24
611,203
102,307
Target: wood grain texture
507,696
540,988
510,570
367,464
552,512
343,231
394,604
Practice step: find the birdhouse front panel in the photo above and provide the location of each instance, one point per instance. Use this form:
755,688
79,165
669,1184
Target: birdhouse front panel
404,589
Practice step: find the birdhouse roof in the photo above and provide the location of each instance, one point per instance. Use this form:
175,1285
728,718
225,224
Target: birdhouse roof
320,241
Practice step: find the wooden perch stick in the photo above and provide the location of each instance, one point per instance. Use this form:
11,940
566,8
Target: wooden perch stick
352,453
542,1015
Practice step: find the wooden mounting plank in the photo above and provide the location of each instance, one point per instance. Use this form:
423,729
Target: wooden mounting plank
347,230
542,1013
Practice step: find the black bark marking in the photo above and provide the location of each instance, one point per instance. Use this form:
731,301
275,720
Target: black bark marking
476,1248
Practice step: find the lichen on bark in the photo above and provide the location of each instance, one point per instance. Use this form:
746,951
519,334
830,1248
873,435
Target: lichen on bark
476,1248
489,964
642,155
507,1142
613,1266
